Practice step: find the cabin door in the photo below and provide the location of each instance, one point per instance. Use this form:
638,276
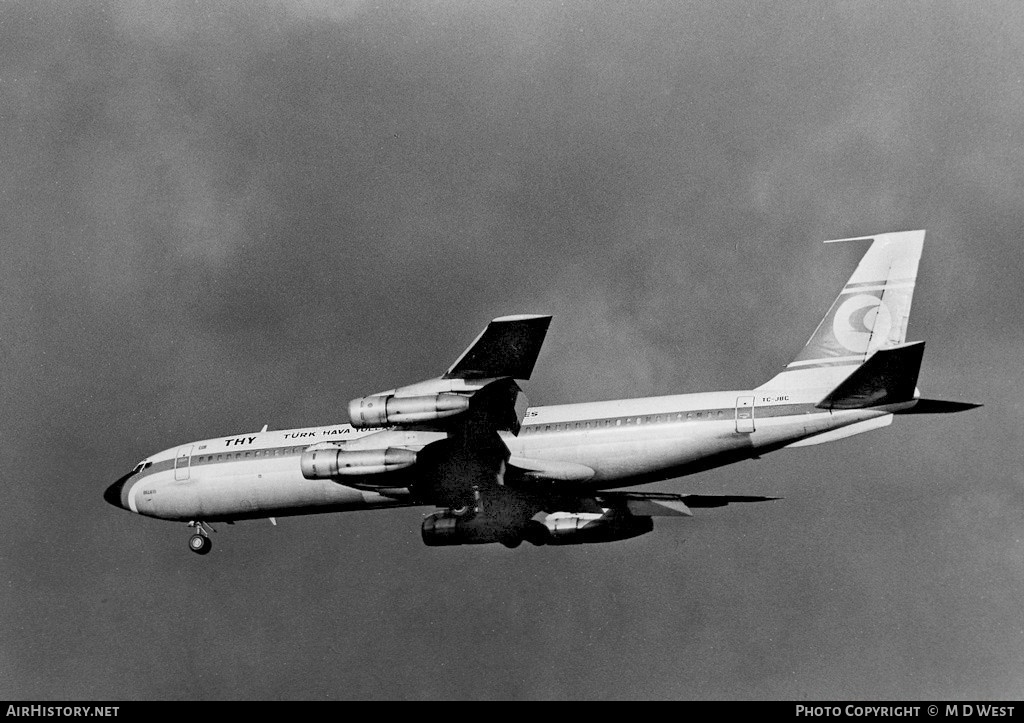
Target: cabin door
744,415
182,463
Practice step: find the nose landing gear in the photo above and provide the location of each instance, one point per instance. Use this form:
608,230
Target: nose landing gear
200,543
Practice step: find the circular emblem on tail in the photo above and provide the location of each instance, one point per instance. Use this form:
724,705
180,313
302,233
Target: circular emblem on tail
862,323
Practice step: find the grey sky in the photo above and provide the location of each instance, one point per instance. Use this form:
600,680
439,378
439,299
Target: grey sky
220,215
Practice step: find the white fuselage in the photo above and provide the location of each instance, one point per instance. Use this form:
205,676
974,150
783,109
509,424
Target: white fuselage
626,442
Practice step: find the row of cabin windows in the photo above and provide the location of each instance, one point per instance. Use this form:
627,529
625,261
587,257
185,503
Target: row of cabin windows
226,456
648,419
596,424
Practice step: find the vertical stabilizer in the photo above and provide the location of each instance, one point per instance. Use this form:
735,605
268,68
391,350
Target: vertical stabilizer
870,313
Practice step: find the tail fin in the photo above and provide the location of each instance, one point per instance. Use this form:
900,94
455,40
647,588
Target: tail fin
870,313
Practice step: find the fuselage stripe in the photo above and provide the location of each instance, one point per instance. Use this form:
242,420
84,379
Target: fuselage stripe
716,414
882,282
851,288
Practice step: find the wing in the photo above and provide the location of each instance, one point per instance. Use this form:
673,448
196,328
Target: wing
508,347
510,515
504,351
676,504
467,407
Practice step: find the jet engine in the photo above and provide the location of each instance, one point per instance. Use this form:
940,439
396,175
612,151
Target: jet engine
561,528
334,462
379,410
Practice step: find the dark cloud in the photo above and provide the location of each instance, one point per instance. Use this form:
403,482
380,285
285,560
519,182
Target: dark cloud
223,215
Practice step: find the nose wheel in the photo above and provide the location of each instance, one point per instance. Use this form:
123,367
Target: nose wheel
200,543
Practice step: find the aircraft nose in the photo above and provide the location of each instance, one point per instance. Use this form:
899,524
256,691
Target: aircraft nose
114,494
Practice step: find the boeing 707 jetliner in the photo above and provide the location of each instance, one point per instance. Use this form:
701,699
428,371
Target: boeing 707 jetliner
497,471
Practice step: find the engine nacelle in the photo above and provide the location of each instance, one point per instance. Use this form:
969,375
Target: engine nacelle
335,462
446,528
377,411
561,528
579,528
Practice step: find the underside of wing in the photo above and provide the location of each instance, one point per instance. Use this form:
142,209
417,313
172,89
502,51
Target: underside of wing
669,504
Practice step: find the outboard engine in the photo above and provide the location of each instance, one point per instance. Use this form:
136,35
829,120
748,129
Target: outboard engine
381,410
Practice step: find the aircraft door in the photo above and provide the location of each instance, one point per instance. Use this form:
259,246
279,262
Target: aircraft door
182,463
744,415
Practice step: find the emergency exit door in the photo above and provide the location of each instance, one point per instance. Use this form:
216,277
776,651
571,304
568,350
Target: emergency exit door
744,415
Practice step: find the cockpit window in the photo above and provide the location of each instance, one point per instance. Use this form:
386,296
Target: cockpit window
141,466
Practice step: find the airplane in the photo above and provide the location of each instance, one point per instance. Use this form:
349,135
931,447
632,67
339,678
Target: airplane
498,471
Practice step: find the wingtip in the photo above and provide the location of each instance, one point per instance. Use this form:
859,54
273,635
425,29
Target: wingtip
522,317
872,237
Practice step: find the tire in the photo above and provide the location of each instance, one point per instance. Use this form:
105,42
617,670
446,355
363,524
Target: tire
199,544
536,534
511,541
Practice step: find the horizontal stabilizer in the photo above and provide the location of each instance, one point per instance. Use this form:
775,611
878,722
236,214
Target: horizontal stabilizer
938,406
889,376
865,425
508,347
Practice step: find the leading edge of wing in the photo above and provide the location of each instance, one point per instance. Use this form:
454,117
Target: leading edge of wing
508,347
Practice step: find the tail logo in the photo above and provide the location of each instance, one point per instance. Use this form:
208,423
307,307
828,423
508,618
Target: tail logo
862,323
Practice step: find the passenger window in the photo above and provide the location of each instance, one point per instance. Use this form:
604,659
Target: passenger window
618,422
689,415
